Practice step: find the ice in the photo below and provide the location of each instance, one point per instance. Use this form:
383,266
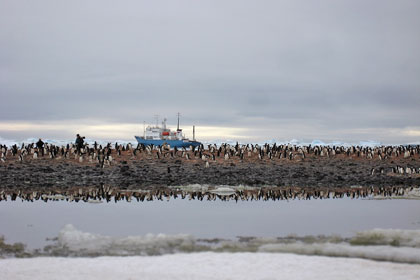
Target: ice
223,191
378,253
393,237
75,243
206,266
7,142
395,245
317,143
370,143
192,188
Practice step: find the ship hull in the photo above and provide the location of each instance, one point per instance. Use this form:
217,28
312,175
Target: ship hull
172,143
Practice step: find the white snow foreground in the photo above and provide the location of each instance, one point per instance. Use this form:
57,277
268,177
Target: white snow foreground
207,265
394,245
379,253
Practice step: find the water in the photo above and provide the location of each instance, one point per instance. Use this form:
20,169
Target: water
32,223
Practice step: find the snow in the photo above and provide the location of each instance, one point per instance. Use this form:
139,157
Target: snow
393,237
378,253
205,266
223,191
76,242
394,245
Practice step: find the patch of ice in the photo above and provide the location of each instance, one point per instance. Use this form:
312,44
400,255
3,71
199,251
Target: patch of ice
393,237
192,188
223,191
77,243
378,253
317,143
370,143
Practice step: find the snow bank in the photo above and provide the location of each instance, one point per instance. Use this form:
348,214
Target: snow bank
206,266
378,253
393,237
395,245
73,242
392,245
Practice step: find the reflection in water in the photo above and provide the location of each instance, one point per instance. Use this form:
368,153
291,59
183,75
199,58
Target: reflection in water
204,192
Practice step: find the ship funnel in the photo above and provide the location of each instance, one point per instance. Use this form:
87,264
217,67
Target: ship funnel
193,132
177,127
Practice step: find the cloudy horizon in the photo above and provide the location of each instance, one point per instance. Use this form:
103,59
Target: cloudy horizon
243,70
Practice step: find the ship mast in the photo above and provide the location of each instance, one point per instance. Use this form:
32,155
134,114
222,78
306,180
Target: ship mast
157,120
177,127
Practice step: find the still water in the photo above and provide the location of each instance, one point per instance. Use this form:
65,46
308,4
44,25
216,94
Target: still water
32,223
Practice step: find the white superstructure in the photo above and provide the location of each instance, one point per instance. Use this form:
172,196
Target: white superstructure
162,133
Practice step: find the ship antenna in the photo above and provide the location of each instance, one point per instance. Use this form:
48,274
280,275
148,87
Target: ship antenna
144,129
177,128
157,120
193,132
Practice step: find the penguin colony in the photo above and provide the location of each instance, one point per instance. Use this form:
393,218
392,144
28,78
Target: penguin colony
104,155
209,156
97,153
106,193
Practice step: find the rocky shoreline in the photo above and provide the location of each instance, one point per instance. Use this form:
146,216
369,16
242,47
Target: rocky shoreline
147,168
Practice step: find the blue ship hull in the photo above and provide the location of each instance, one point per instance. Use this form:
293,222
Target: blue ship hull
172,143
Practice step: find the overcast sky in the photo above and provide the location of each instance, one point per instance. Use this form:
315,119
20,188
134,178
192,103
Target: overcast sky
329,70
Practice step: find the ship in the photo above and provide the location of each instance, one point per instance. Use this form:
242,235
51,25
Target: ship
159,136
